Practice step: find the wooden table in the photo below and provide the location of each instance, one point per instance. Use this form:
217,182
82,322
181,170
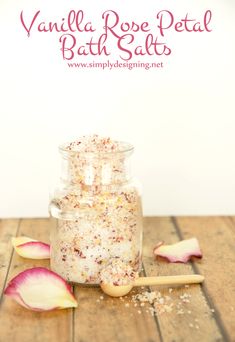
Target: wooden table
207,315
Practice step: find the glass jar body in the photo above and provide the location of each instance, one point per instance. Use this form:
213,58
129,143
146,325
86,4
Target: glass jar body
97,216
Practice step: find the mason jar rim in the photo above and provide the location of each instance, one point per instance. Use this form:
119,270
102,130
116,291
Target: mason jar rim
125,149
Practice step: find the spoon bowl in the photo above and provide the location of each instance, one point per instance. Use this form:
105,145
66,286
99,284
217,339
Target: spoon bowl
116,290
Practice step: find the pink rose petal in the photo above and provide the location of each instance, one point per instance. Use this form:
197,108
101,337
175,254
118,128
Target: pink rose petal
29,248
39,289
179,252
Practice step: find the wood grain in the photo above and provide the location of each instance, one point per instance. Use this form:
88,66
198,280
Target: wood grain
108,319
8,229
195,318
21,325
217,240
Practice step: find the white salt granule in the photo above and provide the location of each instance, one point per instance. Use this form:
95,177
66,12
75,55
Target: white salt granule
117,272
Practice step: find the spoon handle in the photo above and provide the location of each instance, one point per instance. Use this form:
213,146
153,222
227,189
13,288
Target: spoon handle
169,280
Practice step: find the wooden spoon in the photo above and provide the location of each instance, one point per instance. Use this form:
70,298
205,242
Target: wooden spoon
122,290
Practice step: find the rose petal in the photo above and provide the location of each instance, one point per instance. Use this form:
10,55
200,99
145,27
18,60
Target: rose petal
39,289
29,248
179,252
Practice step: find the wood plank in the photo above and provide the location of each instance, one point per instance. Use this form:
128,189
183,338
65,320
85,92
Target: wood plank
232,219
19,324
217,240
191,321
112,319
8,229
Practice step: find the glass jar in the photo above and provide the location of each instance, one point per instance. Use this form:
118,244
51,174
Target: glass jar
96,213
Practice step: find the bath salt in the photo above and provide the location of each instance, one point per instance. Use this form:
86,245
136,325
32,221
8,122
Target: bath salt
94,143
96,211
96,161
118,273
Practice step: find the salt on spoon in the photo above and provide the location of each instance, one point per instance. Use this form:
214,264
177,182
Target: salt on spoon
118,279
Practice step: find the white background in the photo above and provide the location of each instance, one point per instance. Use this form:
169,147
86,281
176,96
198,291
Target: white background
181,119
